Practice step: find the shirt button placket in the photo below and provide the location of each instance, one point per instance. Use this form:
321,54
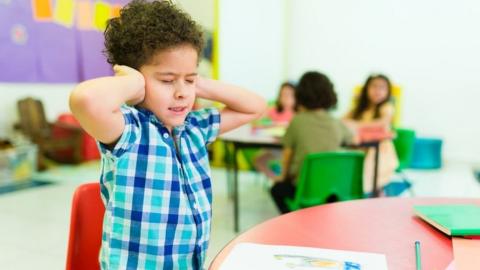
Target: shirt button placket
195,206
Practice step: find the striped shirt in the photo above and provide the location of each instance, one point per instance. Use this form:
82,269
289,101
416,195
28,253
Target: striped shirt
157,199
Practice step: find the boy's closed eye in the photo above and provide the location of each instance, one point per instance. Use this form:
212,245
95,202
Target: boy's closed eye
172,81
166,79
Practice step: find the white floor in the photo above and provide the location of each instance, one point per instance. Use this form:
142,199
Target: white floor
34,223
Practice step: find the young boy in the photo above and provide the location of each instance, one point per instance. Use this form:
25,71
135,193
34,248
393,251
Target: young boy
155,178
311,130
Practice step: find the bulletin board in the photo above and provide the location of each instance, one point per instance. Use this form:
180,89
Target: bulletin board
61,41
54,40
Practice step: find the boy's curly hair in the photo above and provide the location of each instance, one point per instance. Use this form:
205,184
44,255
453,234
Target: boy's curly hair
315,91
144,28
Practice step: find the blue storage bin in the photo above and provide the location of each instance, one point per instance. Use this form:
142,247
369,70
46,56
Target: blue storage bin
427,153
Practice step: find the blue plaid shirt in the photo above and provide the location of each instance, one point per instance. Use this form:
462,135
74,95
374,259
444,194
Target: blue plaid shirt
158,200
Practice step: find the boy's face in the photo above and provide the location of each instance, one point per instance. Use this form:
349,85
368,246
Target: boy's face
170,80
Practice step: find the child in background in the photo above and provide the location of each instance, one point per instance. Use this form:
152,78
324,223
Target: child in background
284,109
374,110
278,116
312,130
155,179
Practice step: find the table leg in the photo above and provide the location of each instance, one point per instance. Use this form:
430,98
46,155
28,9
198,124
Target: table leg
228,169
235,189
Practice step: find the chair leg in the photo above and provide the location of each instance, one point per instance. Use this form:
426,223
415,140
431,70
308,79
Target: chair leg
407,183
396,188
41,165
41,158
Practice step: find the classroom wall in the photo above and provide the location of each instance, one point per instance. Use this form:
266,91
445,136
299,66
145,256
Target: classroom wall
430,48
252,45
202,11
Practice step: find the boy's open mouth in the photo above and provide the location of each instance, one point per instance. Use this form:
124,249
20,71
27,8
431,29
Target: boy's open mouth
179,109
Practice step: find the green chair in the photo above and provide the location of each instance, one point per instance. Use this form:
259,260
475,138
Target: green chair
328,175
404,143
249,155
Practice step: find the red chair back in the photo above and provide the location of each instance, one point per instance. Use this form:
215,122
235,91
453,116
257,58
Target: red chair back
89,147
85,228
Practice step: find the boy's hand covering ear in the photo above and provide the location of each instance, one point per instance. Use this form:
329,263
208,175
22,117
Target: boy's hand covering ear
121,70
125,70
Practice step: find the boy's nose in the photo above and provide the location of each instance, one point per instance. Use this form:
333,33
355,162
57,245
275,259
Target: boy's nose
180,92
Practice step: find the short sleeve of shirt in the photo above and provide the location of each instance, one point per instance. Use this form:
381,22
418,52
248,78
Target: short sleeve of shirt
290,135
387,110
207,120
130,133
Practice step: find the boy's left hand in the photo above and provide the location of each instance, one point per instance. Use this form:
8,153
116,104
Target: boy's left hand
201,87
122,70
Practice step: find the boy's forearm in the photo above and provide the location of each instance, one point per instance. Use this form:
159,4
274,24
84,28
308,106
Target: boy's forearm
107,93
235,98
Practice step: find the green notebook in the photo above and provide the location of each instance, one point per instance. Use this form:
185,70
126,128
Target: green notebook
452,219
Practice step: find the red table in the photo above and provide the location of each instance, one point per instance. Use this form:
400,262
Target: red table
381,225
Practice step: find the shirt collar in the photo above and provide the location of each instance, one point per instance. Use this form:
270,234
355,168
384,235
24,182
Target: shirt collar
154,119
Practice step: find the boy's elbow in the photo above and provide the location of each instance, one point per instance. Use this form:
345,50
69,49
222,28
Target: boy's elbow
80,101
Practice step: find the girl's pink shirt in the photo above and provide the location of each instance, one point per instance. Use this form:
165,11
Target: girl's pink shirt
280,117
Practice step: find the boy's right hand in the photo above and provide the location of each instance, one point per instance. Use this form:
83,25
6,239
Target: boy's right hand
121,70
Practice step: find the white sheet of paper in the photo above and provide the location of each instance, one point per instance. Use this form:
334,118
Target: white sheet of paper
258,256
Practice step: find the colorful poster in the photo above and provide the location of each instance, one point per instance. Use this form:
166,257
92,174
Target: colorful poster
62,40
115,11
64,12
54,40
42,10
102,13
84,15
